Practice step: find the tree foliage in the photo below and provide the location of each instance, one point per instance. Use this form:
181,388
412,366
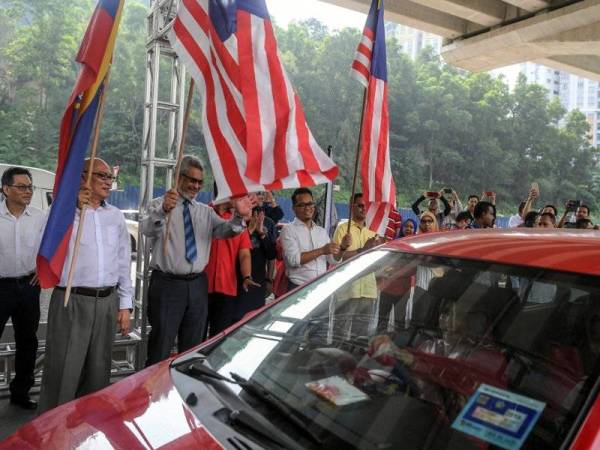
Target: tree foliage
448,127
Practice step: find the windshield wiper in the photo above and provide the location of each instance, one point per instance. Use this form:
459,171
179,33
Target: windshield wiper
257,391
241,417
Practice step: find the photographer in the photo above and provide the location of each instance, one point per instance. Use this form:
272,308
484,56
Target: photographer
581,212
432,206
455,209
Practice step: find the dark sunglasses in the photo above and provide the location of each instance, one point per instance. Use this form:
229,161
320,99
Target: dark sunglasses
193,180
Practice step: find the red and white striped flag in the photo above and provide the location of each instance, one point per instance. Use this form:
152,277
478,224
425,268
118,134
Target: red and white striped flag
370,69
253,122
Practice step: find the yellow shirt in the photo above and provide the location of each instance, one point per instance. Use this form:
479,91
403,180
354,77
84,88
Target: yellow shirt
365,287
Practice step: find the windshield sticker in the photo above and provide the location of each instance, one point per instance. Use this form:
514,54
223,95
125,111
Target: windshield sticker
499,417
337,390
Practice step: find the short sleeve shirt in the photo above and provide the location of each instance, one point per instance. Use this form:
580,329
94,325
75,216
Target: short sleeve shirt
221,269
365,287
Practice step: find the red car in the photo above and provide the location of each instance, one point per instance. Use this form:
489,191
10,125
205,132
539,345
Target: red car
459,340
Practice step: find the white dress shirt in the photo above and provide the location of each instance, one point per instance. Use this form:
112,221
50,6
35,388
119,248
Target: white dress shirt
297,238
515,221
20,239
104,257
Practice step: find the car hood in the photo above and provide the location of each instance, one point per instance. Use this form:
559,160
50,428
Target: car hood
141,411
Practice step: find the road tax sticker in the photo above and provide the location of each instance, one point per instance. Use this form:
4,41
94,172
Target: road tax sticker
499,417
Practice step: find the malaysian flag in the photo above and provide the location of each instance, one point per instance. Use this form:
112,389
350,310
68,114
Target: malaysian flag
254,125
370,69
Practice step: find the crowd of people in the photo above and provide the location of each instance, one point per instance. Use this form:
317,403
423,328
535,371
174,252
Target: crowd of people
481,213
210,266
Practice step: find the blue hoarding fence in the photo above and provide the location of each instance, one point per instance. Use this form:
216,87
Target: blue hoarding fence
129,198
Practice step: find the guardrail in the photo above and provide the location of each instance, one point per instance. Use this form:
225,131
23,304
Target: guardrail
124,357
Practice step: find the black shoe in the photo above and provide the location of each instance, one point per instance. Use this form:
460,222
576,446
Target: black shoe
25,403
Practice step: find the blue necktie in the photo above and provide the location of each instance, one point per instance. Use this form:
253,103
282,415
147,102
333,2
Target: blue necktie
190,240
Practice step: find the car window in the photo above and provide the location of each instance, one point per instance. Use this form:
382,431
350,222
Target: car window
397,350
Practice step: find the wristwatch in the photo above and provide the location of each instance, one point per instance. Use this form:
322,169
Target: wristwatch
247,277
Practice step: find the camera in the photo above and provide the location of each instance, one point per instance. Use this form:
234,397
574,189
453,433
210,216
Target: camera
447,190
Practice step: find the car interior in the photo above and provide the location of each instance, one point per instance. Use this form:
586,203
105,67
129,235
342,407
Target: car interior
447,326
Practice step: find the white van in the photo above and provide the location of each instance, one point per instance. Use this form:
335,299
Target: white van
43,181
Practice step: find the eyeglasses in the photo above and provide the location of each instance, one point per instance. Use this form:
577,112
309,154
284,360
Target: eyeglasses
305,205
193,180
104,176
427,222
23,187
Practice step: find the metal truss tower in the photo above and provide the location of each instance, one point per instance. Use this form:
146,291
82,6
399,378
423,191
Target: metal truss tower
163,123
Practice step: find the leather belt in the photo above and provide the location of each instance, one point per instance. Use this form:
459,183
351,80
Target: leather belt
172,276
90,292
22,279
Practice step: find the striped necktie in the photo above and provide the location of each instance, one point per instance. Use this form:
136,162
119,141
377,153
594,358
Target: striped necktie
190,240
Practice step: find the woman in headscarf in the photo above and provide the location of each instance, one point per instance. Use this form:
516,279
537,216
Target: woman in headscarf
409,228
428,223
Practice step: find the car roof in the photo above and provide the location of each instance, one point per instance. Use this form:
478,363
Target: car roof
563,250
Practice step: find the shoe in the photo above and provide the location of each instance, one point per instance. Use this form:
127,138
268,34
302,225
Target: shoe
25,403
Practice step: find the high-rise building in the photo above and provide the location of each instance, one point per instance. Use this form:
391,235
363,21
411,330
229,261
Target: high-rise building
573,92
413,41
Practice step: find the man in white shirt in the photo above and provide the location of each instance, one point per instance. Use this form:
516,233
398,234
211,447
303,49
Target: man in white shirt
20,230
80,336
306,246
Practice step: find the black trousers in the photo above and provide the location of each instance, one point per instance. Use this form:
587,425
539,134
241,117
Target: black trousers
292,286
176,308
20,302
221,312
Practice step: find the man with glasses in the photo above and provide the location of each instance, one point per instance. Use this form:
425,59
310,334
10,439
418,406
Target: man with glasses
306,246
21,227
80,336
355,306
178,293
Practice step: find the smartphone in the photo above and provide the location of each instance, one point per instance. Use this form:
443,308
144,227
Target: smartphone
489,193
433,194
447,190
572,205
535,186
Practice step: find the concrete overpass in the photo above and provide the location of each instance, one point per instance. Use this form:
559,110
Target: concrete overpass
481,35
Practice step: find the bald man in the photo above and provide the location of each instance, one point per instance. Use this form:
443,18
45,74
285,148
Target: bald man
80,337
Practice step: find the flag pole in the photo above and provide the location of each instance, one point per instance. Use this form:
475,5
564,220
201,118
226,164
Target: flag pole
357,159
88,184
186,119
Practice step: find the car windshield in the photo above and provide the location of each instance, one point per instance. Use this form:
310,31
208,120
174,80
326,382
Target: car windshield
400,350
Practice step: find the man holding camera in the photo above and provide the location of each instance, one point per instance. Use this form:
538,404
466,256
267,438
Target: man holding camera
574,206
432,206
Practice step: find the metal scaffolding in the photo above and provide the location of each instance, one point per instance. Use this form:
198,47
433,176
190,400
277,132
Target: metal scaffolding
163,123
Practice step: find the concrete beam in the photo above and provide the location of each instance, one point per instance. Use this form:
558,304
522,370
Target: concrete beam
415,15
559,32
529,5
483,12
584,66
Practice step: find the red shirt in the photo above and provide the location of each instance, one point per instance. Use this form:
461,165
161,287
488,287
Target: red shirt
221,269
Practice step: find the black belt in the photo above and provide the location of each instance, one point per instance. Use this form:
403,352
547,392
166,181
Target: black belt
172,276
90,292
23,279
